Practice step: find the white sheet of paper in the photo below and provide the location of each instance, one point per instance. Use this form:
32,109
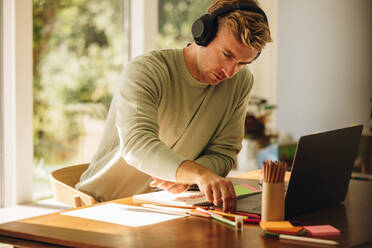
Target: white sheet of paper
123,214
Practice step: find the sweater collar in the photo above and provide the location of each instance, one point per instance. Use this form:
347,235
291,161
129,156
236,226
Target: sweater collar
186,73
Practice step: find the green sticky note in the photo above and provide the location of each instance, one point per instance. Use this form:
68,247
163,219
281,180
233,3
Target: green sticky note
241,190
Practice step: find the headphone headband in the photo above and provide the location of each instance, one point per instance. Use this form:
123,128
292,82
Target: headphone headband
204,29
238,6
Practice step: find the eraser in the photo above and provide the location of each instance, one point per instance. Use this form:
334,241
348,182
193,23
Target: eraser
275,224
239,223
322,230
282,227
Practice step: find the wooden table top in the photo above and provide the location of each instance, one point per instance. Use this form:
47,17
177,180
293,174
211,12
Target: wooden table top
353,218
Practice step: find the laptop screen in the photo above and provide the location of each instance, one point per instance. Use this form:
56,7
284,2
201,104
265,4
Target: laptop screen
321,170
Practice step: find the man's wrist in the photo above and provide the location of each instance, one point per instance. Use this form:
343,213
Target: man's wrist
190,172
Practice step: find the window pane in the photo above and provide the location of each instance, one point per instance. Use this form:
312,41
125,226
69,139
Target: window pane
79,50
175,20
1,101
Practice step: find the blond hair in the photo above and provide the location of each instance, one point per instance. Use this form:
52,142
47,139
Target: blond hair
250,28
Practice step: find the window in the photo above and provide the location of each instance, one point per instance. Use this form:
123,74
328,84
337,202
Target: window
175,20
66,47
1,103
79,48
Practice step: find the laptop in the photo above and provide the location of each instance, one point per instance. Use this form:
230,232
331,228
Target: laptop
320,175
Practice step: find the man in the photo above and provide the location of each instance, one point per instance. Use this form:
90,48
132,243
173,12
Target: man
177,116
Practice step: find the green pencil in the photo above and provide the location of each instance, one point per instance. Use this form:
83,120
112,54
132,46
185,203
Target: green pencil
222,219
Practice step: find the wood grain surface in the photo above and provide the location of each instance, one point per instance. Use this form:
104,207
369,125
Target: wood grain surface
353,218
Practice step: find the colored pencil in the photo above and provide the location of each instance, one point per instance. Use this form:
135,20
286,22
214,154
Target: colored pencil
176,210
204,211
197,213
177,206
301,238
251,216
227,214
250,221
222,219
273,171
167,211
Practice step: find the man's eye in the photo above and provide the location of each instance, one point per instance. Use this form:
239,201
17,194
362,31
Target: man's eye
227,55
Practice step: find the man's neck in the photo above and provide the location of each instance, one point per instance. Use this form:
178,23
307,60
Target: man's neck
189,54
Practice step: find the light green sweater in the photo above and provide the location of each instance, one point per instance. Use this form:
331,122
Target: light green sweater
160,116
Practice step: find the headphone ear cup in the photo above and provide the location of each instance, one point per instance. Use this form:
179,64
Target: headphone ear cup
202,30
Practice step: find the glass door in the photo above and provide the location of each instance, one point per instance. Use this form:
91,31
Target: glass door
175,20
1,104
79,49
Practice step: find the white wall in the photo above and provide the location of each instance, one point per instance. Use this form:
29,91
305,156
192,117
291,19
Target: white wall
16,99
324,65
143,26
1,102
264,68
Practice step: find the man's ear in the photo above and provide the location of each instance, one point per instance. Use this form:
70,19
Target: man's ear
258,54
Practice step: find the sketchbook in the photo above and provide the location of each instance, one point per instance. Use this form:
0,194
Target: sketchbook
189,198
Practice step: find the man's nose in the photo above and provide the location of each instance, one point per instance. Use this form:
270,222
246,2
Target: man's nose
229,69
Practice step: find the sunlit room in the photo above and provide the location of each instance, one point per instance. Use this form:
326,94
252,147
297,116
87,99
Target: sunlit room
62,62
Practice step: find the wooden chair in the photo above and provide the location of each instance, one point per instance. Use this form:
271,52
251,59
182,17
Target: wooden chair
63,181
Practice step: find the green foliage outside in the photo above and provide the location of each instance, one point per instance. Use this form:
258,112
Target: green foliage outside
78,53
175,20
79,49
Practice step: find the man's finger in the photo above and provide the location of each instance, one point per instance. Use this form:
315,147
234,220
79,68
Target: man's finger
167,184
156,182
233,198
226,206
209,193
216,195
177,188
161,184
153,183
182,188
226,198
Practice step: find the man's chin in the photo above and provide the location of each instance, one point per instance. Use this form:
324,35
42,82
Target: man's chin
214,82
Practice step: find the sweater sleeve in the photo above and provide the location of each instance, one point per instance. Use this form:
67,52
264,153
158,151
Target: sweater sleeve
221,154
137,103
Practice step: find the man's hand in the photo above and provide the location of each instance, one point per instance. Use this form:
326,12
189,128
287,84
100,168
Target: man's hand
171,187
216,189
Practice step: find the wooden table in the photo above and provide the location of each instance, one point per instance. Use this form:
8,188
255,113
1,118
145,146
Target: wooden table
353,218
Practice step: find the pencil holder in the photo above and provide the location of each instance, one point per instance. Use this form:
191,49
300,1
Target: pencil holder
272,207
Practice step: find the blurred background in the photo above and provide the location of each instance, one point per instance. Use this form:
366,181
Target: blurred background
314,77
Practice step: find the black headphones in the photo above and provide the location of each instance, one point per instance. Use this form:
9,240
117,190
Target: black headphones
204,29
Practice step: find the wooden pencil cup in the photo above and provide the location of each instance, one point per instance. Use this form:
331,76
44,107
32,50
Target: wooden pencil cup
272,207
